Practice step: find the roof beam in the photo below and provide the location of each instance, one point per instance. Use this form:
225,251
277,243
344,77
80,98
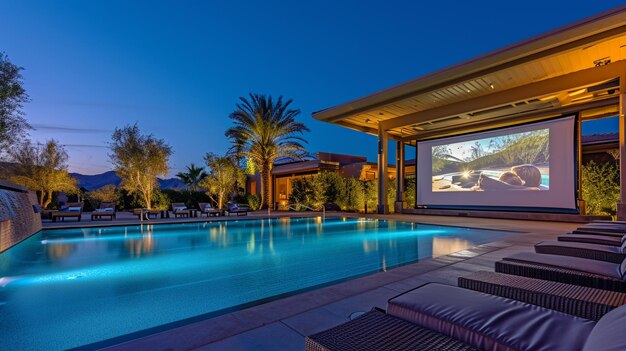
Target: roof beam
514,120
544,87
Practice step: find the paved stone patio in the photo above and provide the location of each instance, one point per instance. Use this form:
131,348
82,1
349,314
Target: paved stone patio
283,324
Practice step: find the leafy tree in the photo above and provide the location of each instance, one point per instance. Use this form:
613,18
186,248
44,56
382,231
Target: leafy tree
600,187
192,177
138,160
42,168
13,126
264,131
223,176
106,193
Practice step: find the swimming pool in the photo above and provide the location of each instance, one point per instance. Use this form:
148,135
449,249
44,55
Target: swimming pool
66,288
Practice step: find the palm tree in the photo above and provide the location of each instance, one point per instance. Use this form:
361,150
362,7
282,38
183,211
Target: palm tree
266,130
192,177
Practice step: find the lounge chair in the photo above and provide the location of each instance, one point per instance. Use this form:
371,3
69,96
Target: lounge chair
147,214
70,210
106,209
608,253
566,269
476,319
239,210
180,210
580,301
598,232
593,239
208,210
376,330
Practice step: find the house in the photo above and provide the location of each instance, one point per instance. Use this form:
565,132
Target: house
284,173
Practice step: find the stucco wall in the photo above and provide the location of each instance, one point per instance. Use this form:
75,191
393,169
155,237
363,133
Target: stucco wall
18,219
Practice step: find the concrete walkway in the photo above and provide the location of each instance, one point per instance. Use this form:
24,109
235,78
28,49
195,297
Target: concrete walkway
283,324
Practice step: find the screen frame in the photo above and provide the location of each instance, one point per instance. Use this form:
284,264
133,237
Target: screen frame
576,160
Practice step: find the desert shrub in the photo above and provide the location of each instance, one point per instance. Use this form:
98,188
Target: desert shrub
159,200
352,196
600,187
254,202
305,191
409,191
106,193
332,185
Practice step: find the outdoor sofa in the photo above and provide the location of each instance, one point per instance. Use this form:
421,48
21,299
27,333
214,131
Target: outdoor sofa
208,210
566,269
608,253
452,314
70,210
179,209
106,209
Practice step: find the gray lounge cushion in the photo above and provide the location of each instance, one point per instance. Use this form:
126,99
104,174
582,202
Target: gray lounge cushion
608,334
490,322
585,246
594,239
607,269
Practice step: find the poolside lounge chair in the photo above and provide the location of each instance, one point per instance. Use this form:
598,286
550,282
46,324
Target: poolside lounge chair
566,269
608,253
235,208
70,210
147,214
208,210
580,301
479,320
180,210
593,239
106,209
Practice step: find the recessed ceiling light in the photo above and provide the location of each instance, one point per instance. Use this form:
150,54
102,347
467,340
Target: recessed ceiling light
380,113
491,86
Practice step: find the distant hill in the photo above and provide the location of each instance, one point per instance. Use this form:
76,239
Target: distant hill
91,182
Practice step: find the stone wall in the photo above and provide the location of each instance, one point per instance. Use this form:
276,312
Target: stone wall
18,216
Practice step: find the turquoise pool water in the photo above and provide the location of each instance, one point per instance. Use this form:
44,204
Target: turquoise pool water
68,288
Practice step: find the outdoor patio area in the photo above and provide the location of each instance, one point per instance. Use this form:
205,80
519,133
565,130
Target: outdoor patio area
284,323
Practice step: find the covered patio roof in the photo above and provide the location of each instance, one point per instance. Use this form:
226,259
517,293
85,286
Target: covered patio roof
575,68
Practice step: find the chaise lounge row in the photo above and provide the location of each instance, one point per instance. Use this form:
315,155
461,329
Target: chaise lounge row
533,301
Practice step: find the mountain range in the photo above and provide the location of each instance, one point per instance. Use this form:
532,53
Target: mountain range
95,181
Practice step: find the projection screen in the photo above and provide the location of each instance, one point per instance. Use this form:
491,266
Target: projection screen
530,166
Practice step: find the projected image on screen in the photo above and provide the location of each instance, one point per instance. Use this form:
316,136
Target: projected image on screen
511,162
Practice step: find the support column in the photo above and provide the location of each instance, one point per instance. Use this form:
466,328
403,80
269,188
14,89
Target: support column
400,204
383,138
621,205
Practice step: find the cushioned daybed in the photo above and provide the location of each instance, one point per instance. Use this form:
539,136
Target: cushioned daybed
484,322
593,239
566,269
106,209
70,210
180,210
600,252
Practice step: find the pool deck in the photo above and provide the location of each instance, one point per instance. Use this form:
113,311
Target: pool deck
282,324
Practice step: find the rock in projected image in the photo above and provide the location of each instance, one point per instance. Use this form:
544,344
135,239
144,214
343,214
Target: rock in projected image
516,162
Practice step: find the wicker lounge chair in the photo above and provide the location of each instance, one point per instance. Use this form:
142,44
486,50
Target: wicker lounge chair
479,320
572,299
208,210
180,210
593,239
615,254
376,331
598,232
106,209
565,269
147,214
236,209
70,210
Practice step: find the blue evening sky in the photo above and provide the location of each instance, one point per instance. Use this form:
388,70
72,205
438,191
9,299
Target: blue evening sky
178,67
